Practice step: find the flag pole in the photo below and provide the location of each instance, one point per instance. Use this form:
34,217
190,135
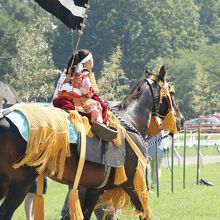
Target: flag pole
80,32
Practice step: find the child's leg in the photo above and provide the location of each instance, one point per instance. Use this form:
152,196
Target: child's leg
104,107
63,103
29,206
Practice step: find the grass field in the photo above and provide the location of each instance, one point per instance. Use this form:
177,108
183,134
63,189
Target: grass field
192,151
192,203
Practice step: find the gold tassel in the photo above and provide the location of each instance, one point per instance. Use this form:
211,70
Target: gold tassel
39,199
116,197
154,127
87,125
76,119
169,123
38,207
113,121
74,206
140,188
120,175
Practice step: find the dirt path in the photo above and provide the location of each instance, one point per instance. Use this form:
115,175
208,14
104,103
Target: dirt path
190,160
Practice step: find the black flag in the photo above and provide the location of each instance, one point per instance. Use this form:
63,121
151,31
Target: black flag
70,12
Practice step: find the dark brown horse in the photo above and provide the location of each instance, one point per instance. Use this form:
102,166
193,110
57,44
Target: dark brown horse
134,112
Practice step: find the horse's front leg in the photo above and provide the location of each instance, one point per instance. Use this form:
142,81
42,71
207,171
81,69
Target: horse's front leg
90,200
4,184
134,198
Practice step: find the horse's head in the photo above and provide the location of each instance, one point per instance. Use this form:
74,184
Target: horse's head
151,96
164,101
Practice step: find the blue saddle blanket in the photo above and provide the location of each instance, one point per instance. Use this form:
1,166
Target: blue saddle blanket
20,121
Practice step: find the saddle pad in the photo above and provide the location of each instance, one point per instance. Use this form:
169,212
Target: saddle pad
20,121
105,153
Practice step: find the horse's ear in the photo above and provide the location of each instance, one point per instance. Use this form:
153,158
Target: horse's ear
147,72
162,73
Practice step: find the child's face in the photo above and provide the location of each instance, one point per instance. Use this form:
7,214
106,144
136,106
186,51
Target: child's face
88,65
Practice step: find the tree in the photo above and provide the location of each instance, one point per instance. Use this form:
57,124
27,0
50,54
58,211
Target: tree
13,16
113,82
144,29
210,19
199,102
182,71
8,29
34,71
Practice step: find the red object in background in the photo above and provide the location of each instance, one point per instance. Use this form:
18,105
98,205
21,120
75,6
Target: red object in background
217,115
209,124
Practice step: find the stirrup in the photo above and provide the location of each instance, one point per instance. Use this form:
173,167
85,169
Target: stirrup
106,133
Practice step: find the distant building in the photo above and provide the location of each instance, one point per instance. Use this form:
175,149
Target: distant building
8,95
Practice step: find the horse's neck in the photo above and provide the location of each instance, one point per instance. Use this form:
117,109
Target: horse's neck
138,118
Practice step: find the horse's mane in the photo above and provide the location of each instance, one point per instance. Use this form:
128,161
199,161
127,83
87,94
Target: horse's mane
135,91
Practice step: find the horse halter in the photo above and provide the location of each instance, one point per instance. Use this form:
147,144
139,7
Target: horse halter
159,95
156,95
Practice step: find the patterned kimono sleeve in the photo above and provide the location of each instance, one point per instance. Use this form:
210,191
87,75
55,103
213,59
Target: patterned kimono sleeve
86,87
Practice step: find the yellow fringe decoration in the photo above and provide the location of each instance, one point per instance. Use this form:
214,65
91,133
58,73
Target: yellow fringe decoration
82,125
115,197
114,123
140,187
39,199
48,145
118,198
80,121
120,176
154,127
169,122
74,205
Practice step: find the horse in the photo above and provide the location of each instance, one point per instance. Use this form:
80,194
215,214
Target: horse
134,112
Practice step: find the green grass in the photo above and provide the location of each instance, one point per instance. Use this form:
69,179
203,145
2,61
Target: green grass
192,203
192,151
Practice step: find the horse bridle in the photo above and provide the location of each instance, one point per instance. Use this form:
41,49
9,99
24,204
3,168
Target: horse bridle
156,96
155,112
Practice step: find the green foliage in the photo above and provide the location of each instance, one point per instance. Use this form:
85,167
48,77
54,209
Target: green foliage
182,72
8,29
171,32
34,72
210,19
144,29
199,101
22,11
113,82
13,16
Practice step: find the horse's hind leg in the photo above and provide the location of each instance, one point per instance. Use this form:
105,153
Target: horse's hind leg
16,193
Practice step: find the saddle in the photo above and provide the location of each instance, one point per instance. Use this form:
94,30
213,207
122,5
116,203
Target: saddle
102,152
106,133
